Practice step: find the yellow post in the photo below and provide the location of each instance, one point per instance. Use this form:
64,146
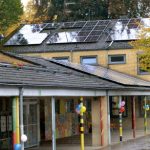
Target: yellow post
82,110
17,121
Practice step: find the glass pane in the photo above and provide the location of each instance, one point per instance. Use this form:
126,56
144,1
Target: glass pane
89,60
117,58
33,114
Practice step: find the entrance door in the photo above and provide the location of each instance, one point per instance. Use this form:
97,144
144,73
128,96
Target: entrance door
30,114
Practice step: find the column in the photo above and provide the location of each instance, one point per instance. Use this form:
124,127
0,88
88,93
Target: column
104,116
96,136
15,113
53,124
99,121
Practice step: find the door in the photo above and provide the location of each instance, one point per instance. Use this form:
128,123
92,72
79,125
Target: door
30,114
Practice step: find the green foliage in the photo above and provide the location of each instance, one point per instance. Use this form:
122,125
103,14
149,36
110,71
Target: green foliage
143,47
10,11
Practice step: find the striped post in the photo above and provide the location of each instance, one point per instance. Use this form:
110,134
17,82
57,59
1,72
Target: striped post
120,120
145,116
15,112
81,125
120,125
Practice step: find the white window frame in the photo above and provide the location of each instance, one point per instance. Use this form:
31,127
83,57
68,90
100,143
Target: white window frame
84,57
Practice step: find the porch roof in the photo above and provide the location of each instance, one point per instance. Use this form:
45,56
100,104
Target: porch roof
98,71
49,77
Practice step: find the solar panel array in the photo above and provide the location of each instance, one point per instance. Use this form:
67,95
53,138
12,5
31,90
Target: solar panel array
90,32
125,29
28,34
79,32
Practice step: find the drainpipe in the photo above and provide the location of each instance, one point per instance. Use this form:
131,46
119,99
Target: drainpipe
21,116
53,124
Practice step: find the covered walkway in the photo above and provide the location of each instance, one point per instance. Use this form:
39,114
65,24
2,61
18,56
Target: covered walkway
73,143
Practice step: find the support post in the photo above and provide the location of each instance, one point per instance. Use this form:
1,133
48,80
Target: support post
120,121
133,117
81,125
108,118
53,124
145,116
15,112
101,123
21,116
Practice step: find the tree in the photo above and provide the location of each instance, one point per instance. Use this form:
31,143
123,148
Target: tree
143,47
10,12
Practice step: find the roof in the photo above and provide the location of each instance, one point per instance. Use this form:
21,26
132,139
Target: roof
107,73
53,75
76,36
96,73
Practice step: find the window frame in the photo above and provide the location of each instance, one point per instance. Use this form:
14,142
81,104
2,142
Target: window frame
61,58
117,62
86,57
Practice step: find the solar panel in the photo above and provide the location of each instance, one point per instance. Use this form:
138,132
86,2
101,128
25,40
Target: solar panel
67,25
90,23
87,28
62,37
95,32
124,30
99,27
28,35
79,24
92,38
50,26
103,22
83,33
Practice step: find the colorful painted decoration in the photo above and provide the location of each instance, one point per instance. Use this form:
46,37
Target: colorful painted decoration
146,107
123,103
83,109
122,109
17,147
78,107
23,138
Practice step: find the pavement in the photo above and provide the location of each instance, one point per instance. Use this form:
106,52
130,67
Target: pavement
142,143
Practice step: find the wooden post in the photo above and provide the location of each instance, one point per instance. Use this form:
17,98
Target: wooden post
101,123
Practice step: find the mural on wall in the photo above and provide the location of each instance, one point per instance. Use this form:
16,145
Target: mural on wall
67,121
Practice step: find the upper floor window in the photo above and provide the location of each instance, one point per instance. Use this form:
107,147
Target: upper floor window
89,60
143,64
64,59
116,59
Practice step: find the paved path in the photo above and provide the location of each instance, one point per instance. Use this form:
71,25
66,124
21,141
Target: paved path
142,143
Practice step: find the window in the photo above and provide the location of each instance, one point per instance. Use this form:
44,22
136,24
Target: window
70,106
143,65
114,110
116,59
64,59
89,60
141,103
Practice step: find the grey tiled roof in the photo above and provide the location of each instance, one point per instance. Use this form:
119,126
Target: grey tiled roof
78,69
107,74
38,76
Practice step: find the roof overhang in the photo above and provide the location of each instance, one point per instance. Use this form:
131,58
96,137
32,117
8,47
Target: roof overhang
42,92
